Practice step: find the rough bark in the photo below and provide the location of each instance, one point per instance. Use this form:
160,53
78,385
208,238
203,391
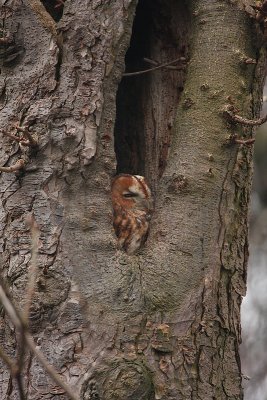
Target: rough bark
163,324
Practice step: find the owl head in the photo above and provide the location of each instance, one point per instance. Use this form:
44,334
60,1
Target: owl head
131,192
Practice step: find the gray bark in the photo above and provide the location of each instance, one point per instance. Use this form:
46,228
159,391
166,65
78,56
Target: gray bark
163,324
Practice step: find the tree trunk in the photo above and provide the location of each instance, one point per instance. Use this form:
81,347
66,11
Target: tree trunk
162,324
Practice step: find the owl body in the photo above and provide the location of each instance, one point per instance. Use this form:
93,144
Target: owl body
132,206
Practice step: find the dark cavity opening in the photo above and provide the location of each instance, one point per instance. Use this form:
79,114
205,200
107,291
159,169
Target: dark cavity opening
147,103
54,8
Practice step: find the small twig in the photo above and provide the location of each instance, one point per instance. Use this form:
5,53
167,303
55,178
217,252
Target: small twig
20,128
15,372
20,361
20,325
11,136
11,365
49,369
30,142
152,62
15,369
232,116
245,141
26,140
10,309
60,3
18,378
233,139
155,63
20,164
154,68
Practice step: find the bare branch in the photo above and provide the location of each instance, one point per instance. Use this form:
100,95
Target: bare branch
20,164
149,61
10,309
60,3
233,139
245,141
155,68
19,323
53,374
15,372
18,378
30,142
25,140
13,137
11,365
230,114
155,63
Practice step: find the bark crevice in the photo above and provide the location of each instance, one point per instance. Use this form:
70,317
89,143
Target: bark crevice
147,103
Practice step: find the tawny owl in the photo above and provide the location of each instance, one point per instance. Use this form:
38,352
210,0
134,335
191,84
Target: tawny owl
132,207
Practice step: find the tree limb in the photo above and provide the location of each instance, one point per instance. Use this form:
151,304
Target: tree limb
230,114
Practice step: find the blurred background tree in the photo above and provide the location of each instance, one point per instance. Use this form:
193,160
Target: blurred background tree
254,306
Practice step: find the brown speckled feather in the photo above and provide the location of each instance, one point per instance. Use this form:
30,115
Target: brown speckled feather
132,206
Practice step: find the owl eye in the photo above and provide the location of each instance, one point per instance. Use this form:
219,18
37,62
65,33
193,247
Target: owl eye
129,194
